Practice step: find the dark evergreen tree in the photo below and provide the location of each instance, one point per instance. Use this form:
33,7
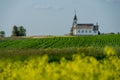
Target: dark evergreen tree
98,32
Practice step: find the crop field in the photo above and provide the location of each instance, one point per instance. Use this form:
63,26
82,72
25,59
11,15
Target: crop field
60,58
61,42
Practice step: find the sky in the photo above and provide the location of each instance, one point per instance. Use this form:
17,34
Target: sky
55,17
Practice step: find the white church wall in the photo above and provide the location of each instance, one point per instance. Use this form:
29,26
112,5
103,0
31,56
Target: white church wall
85,32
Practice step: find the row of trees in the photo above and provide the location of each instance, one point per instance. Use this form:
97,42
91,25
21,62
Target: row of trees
18,31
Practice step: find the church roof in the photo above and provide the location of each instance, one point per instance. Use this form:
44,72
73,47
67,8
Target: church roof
84,26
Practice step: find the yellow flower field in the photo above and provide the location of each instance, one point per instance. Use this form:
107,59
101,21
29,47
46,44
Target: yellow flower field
79,68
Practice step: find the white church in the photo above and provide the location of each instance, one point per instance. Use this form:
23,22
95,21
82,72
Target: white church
84,29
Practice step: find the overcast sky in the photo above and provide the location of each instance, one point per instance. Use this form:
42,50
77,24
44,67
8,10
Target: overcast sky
55,17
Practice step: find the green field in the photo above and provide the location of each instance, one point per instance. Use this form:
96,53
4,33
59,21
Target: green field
60,58
61,42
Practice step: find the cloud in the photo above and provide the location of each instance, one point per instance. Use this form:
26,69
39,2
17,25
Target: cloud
58,8
38,6
47,7
113,0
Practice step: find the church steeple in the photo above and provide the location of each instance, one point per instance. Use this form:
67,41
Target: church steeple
75,20
75,17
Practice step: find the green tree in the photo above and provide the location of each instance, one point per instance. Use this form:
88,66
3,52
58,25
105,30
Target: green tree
2,34
15,31
18,31
99,33
22,31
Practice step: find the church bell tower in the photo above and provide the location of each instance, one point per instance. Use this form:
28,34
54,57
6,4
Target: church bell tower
74,24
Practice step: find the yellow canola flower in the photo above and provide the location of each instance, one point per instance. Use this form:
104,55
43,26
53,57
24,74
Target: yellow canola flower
109,51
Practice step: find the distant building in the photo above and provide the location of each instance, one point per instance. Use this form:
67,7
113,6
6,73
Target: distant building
84,29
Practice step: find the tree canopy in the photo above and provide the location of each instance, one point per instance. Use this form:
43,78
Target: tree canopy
18,31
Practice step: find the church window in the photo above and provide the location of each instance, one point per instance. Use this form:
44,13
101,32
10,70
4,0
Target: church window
78,31
89,31
82,31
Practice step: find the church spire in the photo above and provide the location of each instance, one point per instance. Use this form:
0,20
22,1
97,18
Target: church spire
75,20
75,17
